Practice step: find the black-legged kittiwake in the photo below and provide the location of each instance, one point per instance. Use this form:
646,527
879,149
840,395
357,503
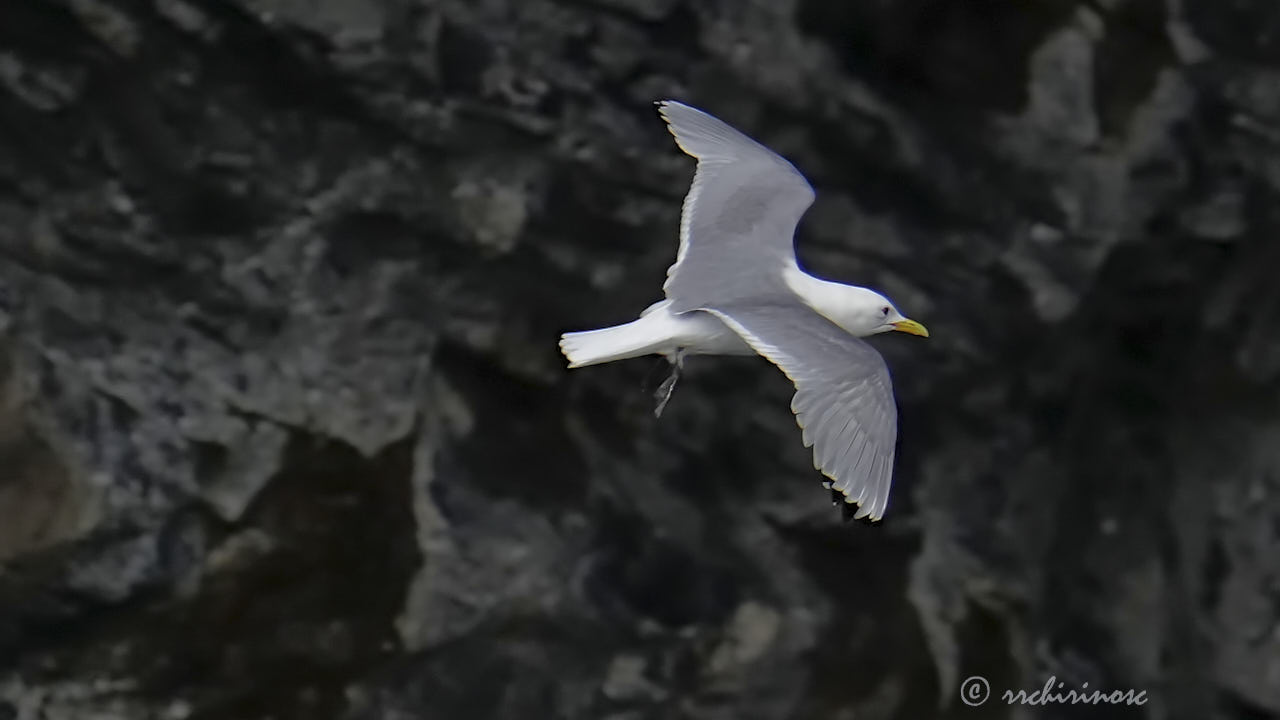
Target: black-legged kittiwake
736,289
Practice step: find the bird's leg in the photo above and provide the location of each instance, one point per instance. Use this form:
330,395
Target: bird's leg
668,386
652,375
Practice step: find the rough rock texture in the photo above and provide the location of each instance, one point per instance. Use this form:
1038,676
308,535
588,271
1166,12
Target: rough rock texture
284,432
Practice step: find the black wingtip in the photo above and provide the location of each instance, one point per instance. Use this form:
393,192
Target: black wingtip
848,510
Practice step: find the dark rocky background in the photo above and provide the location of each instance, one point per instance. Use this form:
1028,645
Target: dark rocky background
284,432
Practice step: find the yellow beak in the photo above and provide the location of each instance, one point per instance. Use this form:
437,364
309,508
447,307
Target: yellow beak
911,327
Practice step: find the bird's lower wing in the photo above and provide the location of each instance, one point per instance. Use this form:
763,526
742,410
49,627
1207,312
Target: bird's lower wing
844,397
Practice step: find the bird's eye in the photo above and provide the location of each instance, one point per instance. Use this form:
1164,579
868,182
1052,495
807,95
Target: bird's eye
885,311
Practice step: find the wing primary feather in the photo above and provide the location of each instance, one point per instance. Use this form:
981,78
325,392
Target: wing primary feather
882,488
838,451
859,475
873,485
857,437
823,432
845,479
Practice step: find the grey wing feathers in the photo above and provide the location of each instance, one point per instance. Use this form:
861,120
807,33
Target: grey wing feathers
844,398
736,236
739,216
707,137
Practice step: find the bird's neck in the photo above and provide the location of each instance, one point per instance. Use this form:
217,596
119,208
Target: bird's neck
824,296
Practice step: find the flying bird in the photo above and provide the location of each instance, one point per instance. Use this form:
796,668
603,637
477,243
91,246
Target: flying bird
737,289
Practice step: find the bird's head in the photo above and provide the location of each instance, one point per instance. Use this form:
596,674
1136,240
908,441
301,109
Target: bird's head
866,312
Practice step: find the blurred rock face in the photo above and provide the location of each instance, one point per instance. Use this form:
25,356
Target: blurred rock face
284,432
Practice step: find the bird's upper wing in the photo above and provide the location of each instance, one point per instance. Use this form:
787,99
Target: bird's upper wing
844,397
739,218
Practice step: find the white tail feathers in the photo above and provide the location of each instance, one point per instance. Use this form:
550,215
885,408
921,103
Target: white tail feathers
650,333
655,331
599,346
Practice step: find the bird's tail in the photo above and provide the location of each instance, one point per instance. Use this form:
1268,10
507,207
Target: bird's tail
612,343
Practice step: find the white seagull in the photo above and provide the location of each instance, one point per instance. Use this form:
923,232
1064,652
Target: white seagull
736,289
